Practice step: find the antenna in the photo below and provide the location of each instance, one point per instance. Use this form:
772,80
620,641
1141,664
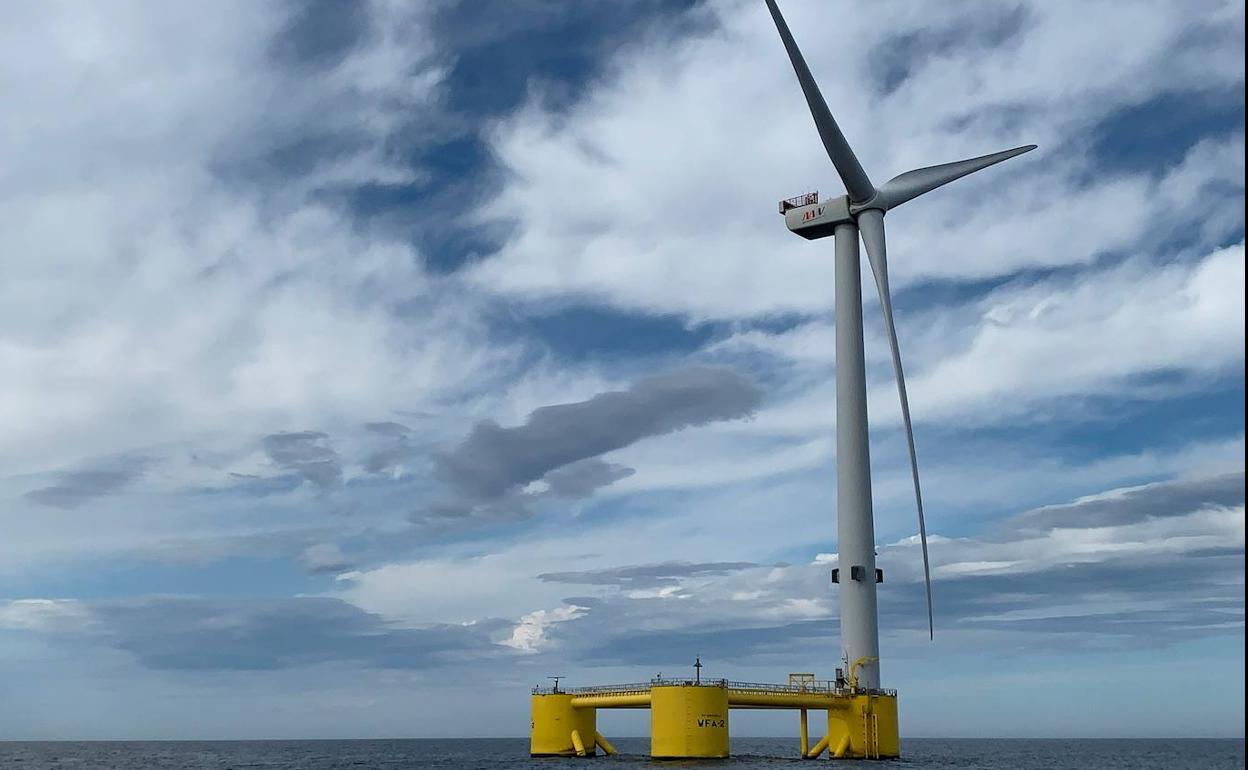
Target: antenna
697,669
555,688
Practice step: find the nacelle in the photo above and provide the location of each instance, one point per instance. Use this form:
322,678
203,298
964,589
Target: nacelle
818,220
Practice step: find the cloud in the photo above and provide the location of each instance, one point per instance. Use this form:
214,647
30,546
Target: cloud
324,558
260,486
529,635
199,278
394,451
455,516
763,643
45,615
1134,505
394,429
321,33
1100,332
1136,567
194,634
74,488
666,573
493,459
581,478
1052,349
308,455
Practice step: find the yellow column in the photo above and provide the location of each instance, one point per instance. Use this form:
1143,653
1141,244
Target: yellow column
882,710
867,729
554,722
805,734
688,722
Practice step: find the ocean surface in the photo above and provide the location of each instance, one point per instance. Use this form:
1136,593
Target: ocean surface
494,754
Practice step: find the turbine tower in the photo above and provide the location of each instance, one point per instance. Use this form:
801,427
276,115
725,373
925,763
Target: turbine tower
861,212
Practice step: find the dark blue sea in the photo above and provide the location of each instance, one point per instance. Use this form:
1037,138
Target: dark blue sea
494,754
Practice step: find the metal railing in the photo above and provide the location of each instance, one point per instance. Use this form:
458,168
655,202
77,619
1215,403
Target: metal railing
817,686
800,200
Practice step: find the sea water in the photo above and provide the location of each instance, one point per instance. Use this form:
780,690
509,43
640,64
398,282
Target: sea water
501,753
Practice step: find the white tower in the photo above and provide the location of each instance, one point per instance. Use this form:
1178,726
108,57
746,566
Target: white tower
861,212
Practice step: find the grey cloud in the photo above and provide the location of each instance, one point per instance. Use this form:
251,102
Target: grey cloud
261,545
493,459
664,573
306,454
895,59
389,457
577,480
582,478
1023,590
388,428
73,488
200,634
441,517
321,33
1171,589
324,558
392,449
260,486
561,444
716,643
1163,499
1124,602
1117,605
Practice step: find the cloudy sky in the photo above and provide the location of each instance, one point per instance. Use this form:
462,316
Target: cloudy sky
363,364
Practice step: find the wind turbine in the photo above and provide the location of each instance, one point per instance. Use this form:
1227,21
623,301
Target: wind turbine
862,211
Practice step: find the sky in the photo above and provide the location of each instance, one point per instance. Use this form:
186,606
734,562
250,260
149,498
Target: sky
363,364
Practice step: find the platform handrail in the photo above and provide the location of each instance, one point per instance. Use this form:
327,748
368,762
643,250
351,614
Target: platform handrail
819,686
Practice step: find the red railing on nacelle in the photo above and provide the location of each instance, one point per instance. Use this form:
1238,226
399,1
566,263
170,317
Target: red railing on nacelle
801,200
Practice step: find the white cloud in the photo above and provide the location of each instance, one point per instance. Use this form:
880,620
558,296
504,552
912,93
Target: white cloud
45,615
529,635
1197,531
1088,335
452,590
156,289
657,191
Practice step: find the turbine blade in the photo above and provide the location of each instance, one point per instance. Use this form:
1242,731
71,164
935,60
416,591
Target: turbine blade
857,184
871,225
912,184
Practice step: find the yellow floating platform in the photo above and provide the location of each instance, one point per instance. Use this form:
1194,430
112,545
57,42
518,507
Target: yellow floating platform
689,718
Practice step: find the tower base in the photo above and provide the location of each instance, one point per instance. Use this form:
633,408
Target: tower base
689,722
866,728
559,730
